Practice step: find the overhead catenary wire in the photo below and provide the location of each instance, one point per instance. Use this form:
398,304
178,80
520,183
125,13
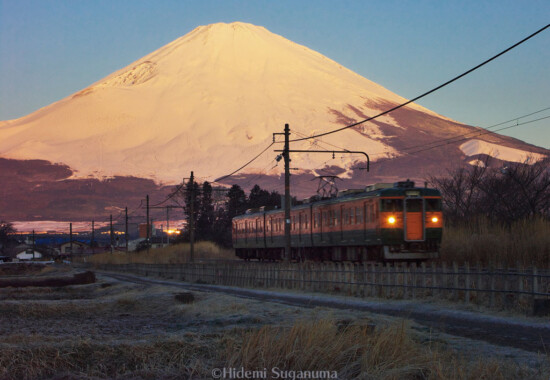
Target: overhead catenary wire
444,142
483,131
427,92
245,165
463,139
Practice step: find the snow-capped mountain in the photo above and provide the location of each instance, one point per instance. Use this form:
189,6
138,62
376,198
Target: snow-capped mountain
212,99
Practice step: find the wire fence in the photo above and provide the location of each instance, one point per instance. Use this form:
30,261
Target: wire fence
494,287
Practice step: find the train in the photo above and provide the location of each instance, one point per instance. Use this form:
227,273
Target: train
381,222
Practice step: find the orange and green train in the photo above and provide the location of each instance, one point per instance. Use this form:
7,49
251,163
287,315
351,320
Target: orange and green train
379,223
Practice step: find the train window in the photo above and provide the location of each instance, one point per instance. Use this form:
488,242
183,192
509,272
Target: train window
345,216
433,204
306,222
414,205
391,205
351,216
358,216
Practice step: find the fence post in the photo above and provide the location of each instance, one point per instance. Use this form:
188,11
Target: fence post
424,293
434,281
467,282
386,289
493,280
414,270
535,283
505,276
455,278
521,278
444,279
406,279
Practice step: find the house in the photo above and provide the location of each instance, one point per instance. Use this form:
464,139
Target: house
29,254
77,247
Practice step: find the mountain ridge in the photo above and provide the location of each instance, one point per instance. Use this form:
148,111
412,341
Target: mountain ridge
211,99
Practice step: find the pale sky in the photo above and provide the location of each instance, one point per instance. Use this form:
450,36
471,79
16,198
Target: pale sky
51,49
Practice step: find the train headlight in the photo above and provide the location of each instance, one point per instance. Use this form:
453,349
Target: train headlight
434,219
391,220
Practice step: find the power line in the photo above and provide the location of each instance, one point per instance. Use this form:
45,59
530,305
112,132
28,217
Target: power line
474,133
463,139
245,165
428,92
173,194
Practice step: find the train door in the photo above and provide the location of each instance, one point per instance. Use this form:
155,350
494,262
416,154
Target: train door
414,219
300,226
341,220
256,229
322,217
366,219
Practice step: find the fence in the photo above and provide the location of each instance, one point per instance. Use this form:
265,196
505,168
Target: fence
492,287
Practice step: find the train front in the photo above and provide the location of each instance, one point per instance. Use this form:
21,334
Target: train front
411,222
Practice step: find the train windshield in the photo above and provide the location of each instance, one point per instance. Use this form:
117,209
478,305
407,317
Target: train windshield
391,205
433,204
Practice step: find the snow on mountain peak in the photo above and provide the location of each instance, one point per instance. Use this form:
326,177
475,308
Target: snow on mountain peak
205,102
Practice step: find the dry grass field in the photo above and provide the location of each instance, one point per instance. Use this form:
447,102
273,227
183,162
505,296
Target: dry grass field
113,329
526,242
173,254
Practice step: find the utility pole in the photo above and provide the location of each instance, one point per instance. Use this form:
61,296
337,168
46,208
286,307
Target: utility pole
191,220
167,225
286,155
148,231
126,227
93,237
71,237
111,232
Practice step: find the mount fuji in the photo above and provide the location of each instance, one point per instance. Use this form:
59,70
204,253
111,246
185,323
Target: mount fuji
208,102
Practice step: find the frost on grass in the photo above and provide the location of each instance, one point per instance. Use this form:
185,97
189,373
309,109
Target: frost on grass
123,330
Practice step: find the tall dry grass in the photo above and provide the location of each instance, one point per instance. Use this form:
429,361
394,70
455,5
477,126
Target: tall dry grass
356,352
173,254
526,242
85,359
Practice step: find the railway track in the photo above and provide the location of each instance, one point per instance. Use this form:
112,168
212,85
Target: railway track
529,336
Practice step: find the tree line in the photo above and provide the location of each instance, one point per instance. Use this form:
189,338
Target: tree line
213,222
505,195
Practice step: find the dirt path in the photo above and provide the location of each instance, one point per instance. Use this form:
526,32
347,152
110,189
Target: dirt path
534,337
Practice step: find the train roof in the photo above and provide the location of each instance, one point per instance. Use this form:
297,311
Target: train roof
398,189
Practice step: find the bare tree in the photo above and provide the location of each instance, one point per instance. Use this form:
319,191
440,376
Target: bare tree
516,191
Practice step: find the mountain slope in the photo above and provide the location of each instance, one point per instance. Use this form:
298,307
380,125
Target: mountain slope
211,99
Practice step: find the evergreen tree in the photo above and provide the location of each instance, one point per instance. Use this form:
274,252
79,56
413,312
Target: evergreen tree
187,205
205,218
258,197
236,202
6,234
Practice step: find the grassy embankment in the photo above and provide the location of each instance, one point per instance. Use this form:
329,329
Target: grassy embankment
174,254
526,242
